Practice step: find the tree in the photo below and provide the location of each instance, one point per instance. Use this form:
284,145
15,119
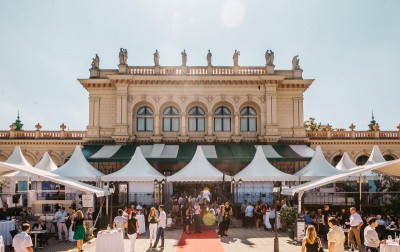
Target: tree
310,125
390,200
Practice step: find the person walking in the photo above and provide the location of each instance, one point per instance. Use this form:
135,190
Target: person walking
197,218
133,230
336,237
325,217
188,218
221,224
228,212
371,238
153,219
311,242
356,223
61,226
71,230
162,224
79,233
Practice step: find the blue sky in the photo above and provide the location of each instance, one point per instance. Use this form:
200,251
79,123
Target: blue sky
350,48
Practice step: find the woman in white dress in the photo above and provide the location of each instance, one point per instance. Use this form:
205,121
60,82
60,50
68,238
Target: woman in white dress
206,194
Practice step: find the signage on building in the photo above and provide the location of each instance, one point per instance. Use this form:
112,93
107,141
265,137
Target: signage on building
87,200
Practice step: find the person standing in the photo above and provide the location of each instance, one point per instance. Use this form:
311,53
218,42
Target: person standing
61,226
221,224
324,217
242,212
258,215
162,224
197,219
133,230
79,233
371,238
227,217
311,242
120,222
356,223
249,213
188,218
71,227
153,219
272,214
22,242
336,237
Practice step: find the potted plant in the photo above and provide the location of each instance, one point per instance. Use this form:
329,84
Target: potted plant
289,216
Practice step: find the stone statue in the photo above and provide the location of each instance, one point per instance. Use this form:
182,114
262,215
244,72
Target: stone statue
269,58
184,57
123,56
295,63
209,55
156,58
236,58
96,62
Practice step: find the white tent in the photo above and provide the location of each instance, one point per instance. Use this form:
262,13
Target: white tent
198,170
391,168
7,168
78,168
376,157
260,170
46,163
345,163
17,158
318,167
137,170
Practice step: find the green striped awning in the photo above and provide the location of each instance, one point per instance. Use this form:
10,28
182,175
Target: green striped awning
183,152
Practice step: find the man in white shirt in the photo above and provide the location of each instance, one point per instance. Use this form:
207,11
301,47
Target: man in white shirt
248,215
197,218
22,242
371,238
162,224
336,237
120,222
356,223
61,226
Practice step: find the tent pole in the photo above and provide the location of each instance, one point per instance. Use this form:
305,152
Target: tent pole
107,205
300,195
359,182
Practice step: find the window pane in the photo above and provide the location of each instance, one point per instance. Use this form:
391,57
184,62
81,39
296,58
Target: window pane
141,111
243,124
175,124
218,124
167,124
140,124
200,124
226,111
227,124
192,111
200,111
192,124
252,124
149,111
244,111
149,124
218,111
174,111
167,111
252,111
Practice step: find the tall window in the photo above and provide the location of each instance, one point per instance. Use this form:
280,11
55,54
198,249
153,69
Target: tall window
145,119
248,119
222,119
196,119
170,119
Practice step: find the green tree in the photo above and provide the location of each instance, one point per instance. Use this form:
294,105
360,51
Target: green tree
311,125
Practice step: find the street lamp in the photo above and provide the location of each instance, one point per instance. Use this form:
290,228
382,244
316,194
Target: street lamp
159,184
111,189
276,241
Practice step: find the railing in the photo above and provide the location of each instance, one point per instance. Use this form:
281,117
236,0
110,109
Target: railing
353,134
143,198
254,197
55,196
35,134
196,70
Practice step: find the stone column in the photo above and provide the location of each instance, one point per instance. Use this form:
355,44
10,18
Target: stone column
156,124
209,124
183,124
236,131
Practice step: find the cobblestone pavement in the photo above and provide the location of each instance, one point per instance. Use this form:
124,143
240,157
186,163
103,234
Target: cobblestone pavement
239,239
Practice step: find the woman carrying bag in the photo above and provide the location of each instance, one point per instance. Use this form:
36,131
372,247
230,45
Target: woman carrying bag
79,234
311,242
133,230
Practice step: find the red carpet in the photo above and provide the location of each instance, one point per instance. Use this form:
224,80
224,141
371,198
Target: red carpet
207,240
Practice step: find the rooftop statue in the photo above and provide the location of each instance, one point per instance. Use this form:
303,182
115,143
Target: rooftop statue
96,62
209,55
295,63
184,57
236,58
123,56
156,58
269,58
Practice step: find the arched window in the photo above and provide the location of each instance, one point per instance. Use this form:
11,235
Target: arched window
222,119
336,160
170,119
248,119
361,160
389,157
196,119
145,119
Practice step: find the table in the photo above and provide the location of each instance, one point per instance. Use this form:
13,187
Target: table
35,233
109,241
268,224
142,223
5,228
390,247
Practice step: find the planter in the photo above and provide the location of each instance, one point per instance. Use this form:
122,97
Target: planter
291,233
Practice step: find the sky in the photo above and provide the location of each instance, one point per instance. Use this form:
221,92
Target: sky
350,48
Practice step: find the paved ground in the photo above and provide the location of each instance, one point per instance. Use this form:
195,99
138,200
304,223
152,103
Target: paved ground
239,239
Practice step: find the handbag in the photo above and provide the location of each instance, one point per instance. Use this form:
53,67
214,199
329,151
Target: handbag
73,227
320,249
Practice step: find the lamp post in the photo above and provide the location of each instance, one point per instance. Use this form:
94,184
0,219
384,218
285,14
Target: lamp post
276,241
159,184
111,189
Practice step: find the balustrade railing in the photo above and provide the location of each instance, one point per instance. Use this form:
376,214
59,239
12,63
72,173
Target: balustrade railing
34,134
196,70
353,134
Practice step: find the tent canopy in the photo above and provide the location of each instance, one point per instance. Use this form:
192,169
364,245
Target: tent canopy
391,168
345,163
78,168
137,170
317,168
46,163
376,157
198,170
48,176
260,170
18,158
